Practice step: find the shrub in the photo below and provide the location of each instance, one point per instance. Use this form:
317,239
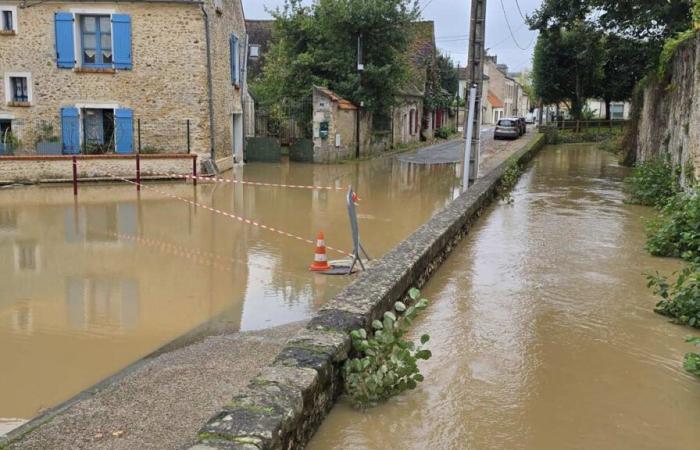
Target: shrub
387,363
508,181
445,132
692,360
652,183
676,232
151,150
680,299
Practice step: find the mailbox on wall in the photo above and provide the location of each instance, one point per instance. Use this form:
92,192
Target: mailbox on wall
323,132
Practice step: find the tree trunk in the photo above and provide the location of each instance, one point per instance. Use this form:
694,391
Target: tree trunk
607,109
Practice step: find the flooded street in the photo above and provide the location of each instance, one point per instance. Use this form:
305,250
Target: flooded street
88,287
543,334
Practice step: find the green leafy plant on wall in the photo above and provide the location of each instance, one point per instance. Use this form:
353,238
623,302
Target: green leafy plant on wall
387,363
692,360
676,232
652,183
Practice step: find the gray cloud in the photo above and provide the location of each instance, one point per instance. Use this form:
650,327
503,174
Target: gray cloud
452,27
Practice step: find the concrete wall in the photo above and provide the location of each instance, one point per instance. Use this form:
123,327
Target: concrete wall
670,114
168,82
285,404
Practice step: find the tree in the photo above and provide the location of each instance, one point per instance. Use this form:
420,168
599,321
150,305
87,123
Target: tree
566,66
318,44
448,74
624,63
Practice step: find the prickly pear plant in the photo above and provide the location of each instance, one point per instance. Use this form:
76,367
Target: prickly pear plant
387,363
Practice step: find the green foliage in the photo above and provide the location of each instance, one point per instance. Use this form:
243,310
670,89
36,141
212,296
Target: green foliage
696,14
652,183
676,232
445,132
669,51
508,181
612,144
566,66
387,364
448,74
317,45
46,133
692,360
680,299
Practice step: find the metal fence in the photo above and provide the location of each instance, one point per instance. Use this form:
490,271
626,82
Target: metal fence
288,121
95,136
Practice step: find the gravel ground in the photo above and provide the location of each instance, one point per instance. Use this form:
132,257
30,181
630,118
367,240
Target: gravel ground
164,402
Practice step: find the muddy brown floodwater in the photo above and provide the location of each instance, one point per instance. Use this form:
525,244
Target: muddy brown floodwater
88,287
543,333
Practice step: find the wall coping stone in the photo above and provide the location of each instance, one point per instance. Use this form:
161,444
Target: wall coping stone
286,403
94,157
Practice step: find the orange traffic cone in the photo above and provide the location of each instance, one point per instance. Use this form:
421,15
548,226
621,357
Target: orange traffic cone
320,263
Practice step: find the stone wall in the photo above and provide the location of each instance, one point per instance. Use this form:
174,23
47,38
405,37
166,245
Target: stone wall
41,169
285,404
401,117
670,113
166,86
341,141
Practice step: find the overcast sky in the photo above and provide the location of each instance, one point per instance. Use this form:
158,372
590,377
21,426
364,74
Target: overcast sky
451,27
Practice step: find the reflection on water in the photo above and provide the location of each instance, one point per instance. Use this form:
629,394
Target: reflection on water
89,286
542,330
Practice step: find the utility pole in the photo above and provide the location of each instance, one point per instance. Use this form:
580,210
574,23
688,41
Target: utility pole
360,69
477,38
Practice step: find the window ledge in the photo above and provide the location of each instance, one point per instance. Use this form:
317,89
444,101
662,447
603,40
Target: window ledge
19,104
109,70
8,32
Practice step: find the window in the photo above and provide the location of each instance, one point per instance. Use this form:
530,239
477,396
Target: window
8,19
617,112
96,39
98,129
18,89
254,51
6,137
26,256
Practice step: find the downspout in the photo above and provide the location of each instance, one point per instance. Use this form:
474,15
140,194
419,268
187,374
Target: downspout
207,37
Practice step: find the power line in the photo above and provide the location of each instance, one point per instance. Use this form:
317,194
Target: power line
425,6
520,11
510,29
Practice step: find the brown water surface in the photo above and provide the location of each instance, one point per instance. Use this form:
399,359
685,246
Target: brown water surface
543,333
90,286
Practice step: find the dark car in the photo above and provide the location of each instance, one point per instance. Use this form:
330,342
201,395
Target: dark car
507,129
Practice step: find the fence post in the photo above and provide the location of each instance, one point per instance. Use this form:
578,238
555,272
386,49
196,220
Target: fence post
194,170
138,172
138,127
75,175
188,137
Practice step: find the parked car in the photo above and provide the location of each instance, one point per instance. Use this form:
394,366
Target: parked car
530,118
507,129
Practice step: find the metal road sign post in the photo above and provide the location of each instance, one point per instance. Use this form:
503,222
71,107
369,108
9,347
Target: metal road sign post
357,245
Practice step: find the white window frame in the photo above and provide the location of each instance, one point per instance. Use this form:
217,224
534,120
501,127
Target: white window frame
30,90
13,10
77,36
83,106
256,47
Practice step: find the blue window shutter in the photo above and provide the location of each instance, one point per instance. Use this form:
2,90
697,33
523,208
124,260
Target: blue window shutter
70,131
65,51
121,35
234,59
124,131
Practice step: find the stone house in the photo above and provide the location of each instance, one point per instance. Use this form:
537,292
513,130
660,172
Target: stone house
101,76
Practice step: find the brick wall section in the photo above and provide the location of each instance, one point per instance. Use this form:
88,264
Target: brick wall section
168,82
285,404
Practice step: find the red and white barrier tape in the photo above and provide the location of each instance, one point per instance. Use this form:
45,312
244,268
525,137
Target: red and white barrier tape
229,215
249,183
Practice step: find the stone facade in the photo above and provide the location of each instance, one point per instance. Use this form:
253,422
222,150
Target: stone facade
407,120
334,127
670,112
165,87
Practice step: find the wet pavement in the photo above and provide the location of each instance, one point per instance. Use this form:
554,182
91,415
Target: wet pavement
543,331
